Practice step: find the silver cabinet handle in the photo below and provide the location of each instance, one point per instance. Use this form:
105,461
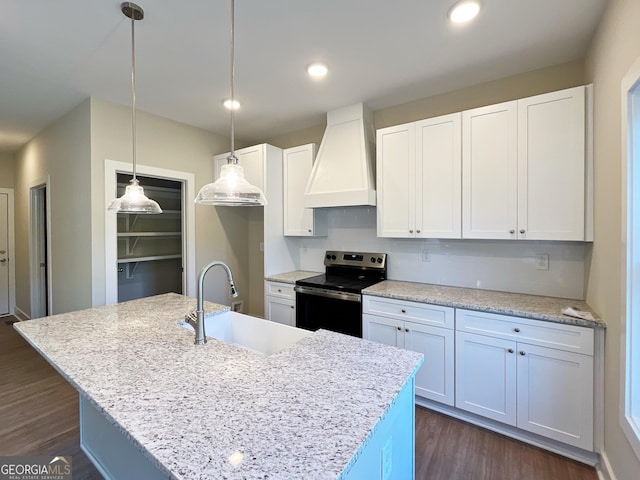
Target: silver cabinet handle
512,231
410,231
309,230
510,350
417,231
522,231
522,353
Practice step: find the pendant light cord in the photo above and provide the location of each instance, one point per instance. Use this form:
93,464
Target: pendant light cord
133,92
232,157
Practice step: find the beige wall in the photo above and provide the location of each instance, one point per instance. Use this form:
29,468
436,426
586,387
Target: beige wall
61,155
614,49
531,83
7,168
221,233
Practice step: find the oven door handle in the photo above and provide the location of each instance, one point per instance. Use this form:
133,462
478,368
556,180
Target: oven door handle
322,292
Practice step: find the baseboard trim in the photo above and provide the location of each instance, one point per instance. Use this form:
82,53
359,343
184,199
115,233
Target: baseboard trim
20,315
569,451
604,470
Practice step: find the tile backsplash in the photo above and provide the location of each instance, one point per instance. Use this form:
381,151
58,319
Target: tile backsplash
503,265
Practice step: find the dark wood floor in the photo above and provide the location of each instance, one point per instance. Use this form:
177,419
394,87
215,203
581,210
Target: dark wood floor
39,416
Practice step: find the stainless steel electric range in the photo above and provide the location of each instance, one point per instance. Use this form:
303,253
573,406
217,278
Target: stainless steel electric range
333,301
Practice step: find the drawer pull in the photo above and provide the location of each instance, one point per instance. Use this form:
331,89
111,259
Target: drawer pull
512,231
403,311
406,330
510,350
517,330
279,291
522,231
522,353
399,328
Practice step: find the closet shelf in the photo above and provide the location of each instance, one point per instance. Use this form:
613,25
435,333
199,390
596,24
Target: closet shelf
149,258
149,234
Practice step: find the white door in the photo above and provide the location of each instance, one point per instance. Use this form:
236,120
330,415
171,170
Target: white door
439,177
4,254
551,166
281,310
297,163
555,394
383,330
486,376
396,181
489,172
435,379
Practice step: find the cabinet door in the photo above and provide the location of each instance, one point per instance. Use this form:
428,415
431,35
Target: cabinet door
297,163
555,394
551,166
439,177
486,376
252,160
489,172
435,379
396,181
281,310
383,330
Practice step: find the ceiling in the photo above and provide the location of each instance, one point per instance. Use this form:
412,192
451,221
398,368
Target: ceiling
55,54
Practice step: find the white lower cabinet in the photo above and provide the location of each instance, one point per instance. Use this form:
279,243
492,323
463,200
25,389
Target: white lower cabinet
409,325
280,303
511,374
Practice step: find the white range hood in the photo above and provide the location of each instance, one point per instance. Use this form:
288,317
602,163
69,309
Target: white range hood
343,173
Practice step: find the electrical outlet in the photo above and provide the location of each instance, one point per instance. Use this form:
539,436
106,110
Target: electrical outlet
542,261
387,466
426,256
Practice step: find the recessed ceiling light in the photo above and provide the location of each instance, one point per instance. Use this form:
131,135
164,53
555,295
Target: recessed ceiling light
464,11
232,104
317,70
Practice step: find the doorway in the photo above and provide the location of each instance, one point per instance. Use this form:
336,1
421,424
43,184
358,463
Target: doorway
40,291
7,275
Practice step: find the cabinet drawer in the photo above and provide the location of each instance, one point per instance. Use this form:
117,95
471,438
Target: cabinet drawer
405,310
282,290
536,332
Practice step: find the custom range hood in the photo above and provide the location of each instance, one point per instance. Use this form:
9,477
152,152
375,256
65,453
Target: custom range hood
343,173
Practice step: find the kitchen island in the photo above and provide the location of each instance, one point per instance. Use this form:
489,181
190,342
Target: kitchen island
324,408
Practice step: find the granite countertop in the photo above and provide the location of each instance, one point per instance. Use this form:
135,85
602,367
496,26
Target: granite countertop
291,277
527,306
304,412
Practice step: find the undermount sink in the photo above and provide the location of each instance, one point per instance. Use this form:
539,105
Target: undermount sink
255,334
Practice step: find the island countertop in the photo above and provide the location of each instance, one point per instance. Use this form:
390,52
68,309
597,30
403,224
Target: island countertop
304,412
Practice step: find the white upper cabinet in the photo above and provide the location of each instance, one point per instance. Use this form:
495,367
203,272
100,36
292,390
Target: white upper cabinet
524,167
419,169
253,161
490,172
551,166
298,220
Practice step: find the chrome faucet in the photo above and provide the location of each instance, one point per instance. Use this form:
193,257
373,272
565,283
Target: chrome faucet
196,319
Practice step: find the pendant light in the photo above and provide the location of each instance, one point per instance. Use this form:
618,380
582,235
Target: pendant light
134,199
232,188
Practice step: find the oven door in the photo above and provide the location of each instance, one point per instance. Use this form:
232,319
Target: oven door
329,309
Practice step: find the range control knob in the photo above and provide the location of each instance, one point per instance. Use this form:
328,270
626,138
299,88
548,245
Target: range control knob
379,259
328,257
333,257
373,259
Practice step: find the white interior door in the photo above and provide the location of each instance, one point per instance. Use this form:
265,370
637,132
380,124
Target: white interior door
4,254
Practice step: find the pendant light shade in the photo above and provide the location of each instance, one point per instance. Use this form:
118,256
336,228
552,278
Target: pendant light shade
232,188
134,200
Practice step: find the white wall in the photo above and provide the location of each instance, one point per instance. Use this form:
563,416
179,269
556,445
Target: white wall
7,169
221,233
491,264
61,153
614,49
